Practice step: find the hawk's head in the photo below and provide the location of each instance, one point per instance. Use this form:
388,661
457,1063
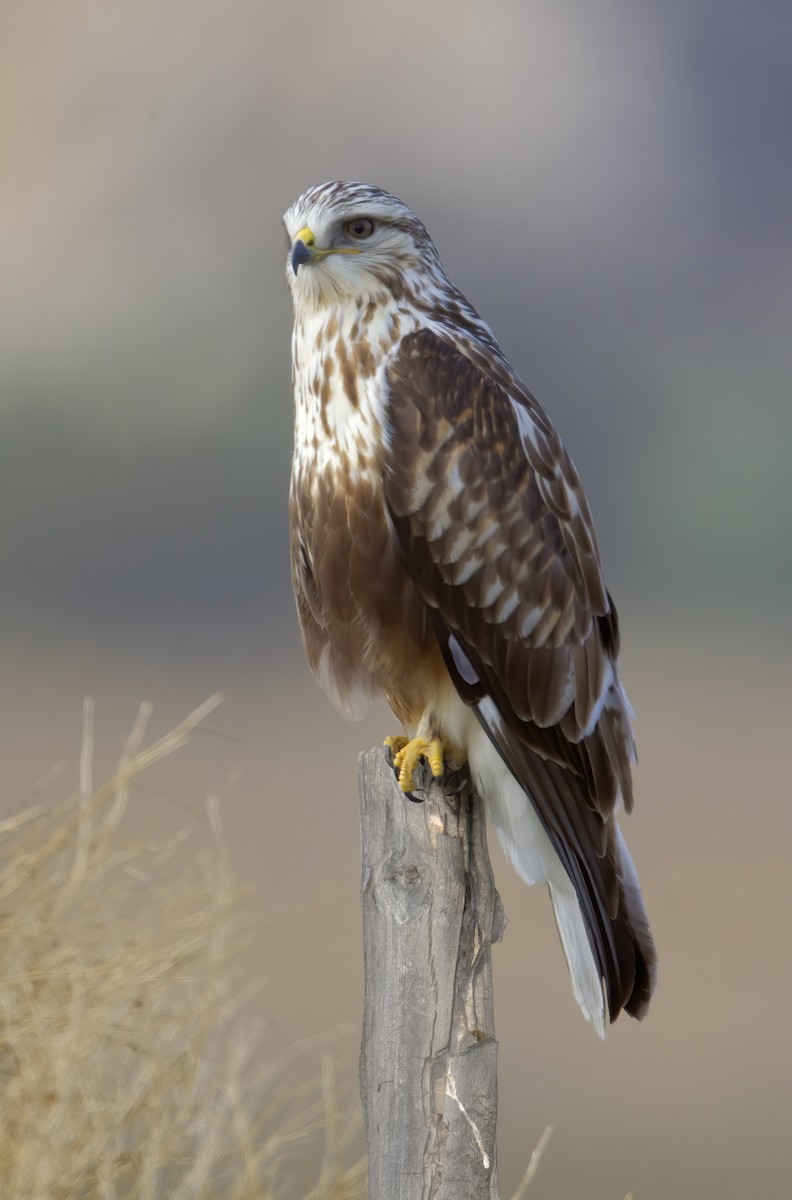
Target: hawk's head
348,241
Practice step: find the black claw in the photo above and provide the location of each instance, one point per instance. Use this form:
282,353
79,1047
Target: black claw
456,781
425,776
453,782
407,795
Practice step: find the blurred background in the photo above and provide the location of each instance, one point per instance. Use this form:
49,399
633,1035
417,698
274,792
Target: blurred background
611,186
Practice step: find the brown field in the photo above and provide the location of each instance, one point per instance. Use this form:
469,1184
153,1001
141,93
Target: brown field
692,1103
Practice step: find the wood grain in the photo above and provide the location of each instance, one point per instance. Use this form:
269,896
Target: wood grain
428,1066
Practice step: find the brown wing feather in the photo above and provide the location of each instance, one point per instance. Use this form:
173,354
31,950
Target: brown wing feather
495,532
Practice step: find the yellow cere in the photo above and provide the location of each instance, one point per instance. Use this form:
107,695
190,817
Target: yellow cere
307,237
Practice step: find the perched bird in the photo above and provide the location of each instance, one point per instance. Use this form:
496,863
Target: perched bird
444,557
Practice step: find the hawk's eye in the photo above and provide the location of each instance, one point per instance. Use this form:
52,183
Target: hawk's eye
359,229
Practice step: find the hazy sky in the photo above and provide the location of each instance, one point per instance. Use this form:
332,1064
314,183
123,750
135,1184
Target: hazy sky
609,183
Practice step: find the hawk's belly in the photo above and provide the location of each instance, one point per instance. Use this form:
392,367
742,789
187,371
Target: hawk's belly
365,629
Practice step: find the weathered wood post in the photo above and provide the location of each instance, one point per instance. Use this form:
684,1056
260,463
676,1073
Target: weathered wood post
428,1065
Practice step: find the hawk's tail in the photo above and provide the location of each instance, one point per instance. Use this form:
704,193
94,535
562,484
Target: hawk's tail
560,840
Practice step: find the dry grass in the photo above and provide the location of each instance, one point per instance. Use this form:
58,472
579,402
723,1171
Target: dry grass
533,1163
126,1067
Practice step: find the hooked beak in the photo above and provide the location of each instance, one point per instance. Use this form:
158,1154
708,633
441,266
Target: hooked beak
304,249
300,254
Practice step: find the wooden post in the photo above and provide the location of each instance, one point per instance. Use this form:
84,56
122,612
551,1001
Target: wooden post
428,1064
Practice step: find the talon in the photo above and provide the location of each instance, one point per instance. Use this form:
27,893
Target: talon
408,753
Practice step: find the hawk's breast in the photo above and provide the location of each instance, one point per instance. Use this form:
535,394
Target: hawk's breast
362,620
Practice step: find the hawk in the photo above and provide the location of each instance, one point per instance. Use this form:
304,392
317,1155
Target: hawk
444,557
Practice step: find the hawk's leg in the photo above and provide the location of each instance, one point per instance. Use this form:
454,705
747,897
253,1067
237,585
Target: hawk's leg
408,753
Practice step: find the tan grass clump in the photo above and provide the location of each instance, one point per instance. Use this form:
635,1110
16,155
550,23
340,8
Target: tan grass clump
126,1068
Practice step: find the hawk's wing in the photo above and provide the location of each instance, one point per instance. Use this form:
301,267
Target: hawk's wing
495,531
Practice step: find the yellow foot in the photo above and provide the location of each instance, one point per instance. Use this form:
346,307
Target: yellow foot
407,755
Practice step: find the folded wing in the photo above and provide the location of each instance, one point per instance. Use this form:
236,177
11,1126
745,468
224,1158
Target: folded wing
494,529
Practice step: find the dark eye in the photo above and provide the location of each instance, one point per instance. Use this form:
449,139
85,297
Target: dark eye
360,228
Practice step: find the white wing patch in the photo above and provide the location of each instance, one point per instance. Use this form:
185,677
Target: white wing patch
525,422
462,662
602,700
529,619
530,437
507,604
